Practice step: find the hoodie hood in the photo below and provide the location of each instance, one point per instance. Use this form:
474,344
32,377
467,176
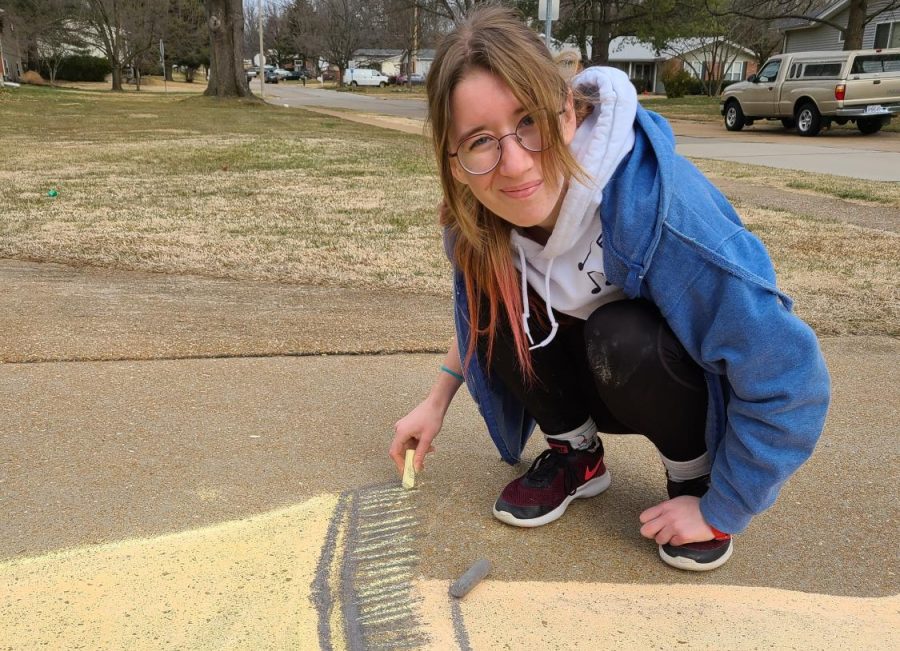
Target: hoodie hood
567,271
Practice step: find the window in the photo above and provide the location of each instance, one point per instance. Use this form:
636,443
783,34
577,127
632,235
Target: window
876,63
829,69
769,71
887,35
736,71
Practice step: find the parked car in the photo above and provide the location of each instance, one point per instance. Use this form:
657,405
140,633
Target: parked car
413,79
364,77
272,77
809,90
295,75
281,72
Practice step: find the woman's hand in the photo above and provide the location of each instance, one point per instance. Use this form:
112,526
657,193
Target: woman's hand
416,431
676,522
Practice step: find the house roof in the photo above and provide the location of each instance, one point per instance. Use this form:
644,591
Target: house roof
828,10
376,54
629,48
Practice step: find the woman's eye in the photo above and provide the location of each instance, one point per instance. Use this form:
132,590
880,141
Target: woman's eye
480,142
527,121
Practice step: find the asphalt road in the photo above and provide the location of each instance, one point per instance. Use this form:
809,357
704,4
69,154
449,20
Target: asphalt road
840,152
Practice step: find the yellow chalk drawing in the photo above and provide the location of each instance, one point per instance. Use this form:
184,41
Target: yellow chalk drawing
239,585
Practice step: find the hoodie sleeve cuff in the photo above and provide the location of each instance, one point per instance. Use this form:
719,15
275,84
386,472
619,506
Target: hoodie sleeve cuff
723,515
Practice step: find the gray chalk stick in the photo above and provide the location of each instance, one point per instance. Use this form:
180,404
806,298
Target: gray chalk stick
472,577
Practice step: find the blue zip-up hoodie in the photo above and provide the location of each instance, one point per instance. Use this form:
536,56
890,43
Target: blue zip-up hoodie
671,237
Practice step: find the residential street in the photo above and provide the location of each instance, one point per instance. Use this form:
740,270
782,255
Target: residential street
843,153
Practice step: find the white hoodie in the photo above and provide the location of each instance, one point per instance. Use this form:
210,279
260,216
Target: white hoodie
567,272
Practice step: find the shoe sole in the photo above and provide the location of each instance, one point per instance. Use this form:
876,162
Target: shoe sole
590,488
691,565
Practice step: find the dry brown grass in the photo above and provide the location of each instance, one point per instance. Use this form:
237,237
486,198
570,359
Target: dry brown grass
194,186
861,190
842,277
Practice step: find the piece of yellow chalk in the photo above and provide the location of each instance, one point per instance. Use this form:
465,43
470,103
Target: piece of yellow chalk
409,470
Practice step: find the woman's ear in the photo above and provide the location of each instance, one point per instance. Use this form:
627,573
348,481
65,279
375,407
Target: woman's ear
457,171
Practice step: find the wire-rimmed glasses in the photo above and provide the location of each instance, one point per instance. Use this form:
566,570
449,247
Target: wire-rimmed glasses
481,153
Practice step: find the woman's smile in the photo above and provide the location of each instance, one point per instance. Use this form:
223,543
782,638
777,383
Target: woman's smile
524,190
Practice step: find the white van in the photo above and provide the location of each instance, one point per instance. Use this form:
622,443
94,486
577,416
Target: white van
364,77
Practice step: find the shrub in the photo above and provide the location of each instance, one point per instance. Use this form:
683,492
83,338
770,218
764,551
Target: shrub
80,67
640,85
676,82
33,78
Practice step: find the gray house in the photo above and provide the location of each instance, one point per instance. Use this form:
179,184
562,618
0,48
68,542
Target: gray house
883,31
10,56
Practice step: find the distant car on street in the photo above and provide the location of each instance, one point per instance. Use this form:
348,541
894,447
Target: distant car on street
413,79
282,73
364,77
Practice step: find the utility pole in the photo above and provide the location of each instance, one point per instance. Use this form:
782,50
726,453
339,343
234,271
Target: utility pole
2,64
415,45
262,56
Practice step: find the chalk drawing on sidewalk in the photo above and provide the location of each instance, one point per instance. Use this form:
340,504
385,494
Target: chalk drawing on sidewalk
362,591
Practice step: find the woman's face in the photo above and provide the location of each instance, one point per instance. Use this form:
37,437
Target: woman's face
515,189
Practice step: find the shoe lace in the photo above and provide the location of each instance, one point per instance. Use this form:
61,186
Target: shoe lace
545,467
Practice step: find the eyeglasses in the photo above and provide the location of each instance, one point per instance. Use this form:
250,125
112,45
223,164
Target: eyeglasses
481,153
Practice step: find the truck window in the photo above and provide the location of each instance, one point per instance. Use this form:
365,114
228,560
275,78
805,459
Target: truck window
868,63
769,71
822,69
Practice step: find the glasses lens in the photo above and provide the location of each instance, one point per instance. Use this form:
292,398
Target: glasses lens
479,154
533,131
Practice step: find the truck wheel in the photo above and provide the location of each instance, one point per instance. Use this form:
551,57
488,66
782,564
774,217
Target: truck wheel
869,125
809,120
354,84
734,117
788,123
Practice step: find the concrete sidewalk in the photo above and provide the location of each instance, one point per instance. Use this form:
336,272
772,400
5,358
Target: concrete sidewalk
156,406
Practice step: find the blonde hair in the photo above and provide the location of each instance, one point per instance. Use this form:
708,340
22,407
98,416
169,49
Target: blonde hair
496,40
569,63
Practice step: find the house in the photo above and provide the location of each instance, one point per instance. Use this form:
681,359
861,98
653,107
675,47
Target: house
391,62
11,67
882,31
702,58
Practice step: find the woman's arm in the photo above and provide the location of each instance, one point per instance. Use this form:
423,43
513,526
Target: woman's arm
417,429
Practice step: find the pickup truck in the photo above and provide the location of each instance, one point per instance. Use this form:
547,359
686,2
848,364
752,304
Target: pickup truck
810,90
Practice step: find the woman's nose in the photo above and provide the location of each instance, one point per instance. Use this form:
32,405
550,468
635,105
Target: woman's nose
514,159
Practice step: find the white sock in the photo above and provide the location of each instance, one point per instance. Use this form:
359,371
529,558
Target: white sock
580,438
685,470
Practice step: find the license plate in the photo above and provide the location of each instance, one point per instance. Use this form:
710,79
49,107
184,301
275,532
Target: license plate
874,108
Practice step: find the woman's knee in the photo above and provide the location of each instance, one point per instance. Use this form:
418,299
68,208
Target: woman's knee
619,338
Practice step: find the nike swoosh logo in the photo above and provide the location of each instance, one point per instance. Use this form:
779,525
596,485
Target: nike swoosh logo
590,472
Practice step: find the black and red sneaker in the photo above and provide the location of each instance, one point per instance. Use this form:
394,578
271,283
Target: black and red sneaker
697,556
558,476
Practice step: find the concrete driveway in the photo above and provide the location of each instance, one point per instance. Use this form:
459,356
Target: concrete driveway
841,152
181,467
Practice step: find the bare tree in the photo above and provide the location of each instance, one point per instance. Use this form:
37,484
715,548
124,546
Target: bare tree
225,19
598,22
341,26
811,11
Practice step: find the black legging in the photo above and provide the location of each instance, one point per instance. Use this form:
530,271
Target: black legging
623,367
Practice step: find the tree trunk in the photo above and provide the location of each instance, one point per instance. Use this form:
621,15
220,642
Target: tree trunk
600,35
226,61
855,25
116,76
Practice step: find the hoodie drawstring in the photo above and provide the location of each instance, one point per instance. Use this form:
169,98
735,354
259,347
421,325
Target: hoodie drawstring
526,312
